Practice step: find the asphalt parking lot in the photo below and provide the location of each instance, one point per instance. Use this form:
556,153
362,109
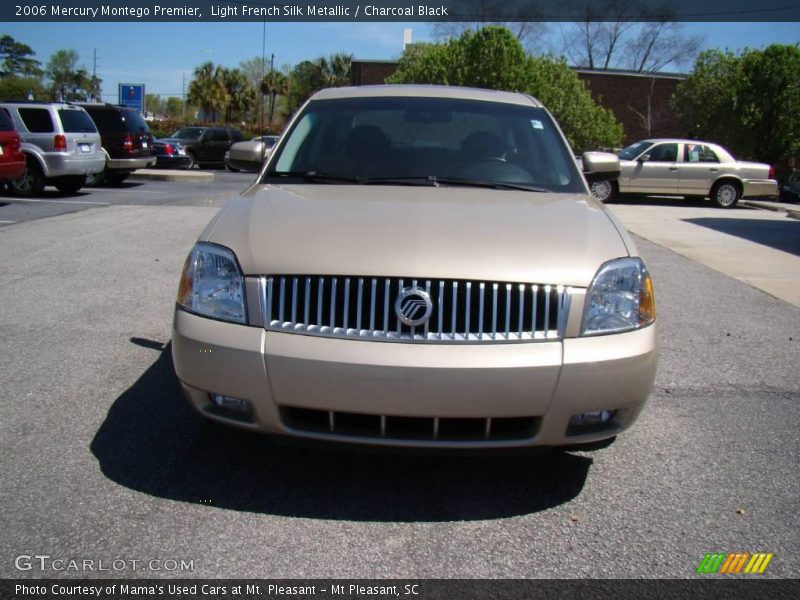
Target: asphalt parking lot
102,458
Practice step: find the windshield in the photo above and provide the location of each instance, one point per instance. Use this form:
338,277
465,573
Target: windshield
426,140
189,133
634,150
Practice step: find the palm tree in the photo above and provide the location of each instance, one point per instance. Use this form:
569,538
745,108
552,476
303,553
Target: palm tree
274,84
241,95
337,69
207,90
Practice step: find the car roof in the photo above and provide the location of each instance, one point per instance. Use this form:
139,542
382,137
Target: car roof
676,141
37,103
425,91
102,106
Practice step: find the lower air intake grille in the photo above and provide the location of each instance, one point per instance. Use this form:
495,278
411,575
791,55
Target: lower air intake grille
459,310
444,429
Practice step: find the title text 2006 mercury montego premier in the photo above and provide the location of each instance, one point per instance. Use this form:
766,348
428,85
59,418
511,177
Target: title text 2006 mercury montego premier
419,266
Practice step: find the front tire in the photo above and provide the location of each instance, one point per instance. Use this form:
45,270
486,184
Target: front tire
69,184
605,191
32,181
192,162
116,178
725,194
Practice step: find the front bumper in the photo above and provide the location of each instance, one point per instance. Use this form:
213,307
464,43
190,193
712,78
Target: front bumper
540,385
176,161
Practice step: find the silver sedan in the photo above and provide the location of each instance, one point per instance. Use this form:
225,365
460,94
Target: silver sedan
690,168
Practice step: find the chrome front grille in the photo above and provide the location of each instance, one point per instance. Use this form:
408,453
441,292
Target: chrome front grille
462,311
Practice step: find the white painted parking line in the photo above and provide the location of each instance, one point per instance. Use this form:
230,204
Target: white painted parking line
58,201
141,193
1,221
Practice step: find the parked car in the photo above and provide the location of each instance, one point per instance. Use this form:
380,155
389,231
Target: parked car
206,145
12,160
60,143
171,155
126,138
790,190
250,155
690,168
419,266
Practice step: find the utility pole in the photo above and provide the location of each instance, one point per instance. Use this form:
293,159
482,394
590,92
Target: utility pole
94,75
273,94
263,67
183,94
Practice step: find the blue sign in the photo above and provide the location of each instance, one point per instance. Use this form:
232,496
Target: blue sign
132,94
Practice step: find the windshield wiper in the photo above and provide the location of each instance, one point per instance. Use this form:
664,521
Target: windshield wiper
497,185
430,180
315,177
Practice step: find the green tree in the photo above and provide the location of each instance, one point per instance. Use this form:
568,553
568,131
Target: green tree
14,87
154,104
174,108
17,59
273,84
311,76
749,103
68,81
241,95
207,90
493,58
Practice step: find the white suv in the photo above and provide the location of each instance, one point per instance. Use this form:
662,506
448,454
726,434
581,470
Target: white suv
61,146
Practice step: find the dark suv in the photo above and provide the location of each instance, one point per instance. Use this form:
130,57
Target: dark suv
206,145
126,139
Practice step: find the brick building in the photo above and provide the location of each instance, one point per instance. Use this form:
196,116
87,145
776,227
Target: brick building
640,101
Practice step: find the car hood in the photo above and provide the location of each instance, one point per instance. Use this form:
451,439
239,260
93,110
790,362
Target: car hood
400,231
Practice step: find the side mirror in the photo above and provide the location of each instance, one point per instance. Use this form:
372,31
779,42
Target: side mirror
600,166
643,158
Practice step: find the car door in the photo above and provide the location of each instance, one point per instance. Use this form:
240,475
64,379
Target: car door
215,143
699,169
656,170
38,127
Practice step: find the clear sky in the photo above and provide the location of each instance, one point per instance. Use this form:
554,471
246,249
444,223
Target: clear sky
160,54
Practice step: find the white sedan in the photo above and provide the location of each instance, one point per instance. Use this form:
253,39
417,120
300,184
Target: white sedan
690,168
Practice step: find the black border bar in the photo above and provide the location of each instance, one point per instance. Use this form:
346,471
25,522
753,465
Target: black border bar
397,10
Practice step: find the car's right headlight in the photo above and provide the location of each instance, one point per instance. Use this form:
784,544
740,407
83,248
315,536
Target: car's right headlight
619,299
212,284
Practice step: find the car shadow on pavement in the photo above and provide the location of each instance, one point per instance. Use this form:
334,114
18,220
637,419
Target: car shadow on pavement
152,441
781,235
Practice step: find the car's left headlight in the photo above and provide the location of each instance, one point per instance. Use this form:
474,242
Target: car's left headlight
619,299
212,284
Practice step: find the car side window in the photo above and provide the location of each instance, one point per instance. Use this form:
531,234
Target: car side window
6,124
37,120
216,135
694,153
664,153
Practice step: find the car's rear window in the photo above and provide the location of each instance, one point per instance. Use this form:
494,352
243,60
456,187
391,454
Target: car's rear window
189,133
134,122
6,124
76,121
37,120
429,138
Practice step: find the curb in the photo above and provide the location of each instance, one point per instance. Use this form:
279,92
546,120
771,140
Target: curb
172,175
791,212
